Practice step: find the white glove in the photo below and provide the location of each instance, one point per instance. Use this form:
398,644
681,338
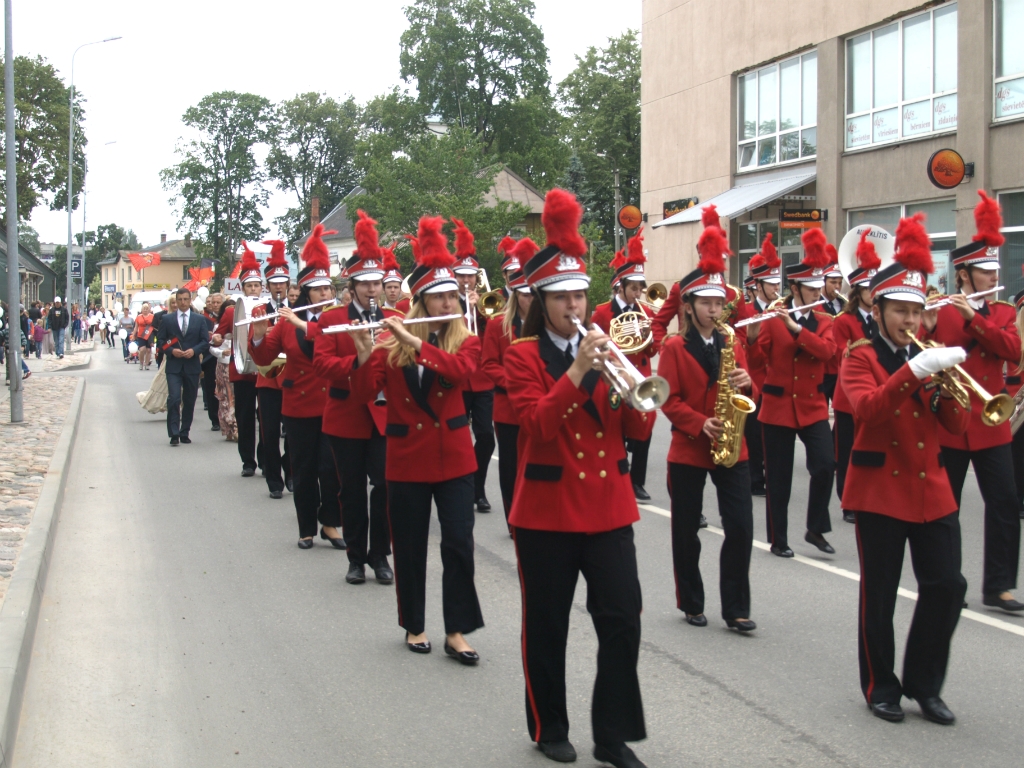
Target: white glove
936,359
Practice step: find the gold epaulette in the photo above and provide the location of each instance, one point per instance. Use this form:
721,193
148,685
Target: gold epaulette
396,312
824,314
525,338
852,345
1007,303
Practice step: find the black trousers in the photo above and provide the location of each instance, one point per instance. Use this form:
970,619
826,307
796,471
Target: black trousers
842,434
994,469
935,554
508,462
311,463
353,461
209,384
755,447
270,401
829,381
245,418
1017,448
778,469
182,389
638,461
686,488
480,409
550,563
409,518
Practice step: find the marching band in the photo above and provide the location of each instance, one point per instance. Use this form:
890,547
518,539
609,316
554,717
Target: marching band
409,388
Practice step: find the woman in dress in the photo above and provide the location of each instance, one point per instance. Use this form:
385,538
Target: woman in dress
225,397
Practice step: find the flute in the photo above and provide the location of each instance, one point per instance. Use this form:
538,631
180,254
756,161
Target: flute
949,299
349,328
272,315
769,315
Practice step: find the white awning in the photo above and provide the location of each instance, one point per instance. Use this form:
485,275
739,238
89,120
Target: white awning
744,197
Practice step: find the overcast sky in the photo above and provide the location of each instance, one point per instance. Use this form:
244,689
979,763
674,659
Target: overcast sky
173,54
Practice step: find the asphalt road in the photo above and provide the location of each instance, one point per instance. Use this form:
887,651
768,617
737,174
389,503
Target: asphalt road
181,626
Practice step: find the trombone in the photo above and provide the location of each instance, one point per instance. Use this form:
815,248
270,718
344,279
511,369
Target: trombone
644,394
654,296
995,409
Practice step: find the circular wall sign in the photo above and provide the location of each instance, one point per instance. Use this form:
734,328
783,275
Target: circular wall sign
946,169
630,216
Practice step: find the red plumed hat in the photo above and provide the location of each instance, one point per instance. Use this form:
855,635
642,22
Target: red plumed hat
988,221
618,259
465,243
913,246
314,253
414,243
277,257
561,218
506,245
832,253
524,250
713,248
814,241
769,253
390,262
635,248
867,257
248,258
433,245
757,261
367,239
709,216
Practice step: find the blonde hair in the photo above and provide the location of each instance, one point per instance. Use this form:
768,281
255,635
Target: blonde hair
1020,331
449,337
511,312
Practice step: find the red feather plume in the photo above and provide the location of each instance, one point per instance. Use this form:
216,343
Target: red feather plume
367,239
506,245
314,252
814,241
415,245
277,257
464,240
709,216
832,253
757,261
635,248
561,219
390,262
769,254
248,258
433,245
713,248
867,257
525,250
988,221
618,260
913,246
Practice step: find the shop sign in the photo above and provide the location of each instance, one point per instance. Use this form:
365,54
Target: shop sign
1010,97
946,169
802,219
672,207
109,288
630,217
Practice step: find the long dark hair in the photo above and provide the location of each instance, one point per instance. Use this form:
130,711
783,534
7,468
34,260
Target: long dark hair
223,307
533,325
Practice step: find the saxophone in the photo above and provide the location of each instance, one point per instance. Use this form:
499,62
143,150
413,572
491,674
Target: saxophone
731,408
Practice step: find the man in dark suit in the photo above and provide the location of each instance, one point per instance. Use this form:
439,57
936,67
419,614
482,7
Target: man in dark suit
184,337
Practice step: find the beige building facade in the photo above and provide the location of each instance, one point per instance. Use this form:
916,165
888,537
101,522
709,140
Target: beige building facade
772,106
121,281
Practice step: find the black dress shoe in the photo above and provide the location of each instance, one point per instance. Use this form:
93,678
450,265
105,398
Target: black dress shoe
618,755
356,573
700,620
849,517
559,751
174,441
248,472
781,551
288,485
819,541
276,494
741,625
423,647
703,522
758,489
887,711
186,440
640,493
933,708
215,428
336,543
305,543
1010,606
382,571
483,505
469,658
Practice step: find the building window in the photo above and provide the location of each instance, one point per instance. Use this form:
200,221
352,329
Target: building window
778,113
901,79
787,242
1011,254
184,273
1009,80
940,223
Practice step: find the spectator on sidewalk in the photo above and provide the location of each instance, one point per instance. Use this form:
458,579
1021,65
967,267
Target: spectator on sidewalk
38,337
126,324
57,322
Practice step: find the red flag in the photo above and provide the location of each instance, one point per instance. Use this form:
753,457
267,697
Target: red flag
200,276
237,270
192,285
142,260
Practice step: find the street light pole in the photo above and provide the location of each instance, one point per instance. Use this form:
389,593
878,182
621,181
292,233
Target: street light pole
71,158
13,271
618,205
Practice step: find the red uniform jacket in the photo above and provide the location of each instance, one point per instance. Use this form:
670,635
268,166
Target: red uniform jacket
573,471
670,310
334,360
847,328
224,327
602,318
262,382
427,426
496,343
832,367
304,391
989,341
793,392
479,381
693,391
896,465
403,305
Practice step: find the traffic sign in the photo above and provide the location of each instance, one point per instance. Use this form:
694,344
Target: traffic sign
76,268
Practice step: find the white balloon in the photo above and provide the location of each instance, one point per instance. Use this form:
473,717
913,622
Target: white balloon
118,306
122,334
203,292
1,311
133,348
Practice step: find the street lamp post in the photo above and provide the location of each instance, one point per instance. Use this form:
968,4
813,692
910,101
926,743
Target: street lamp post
71,160
13,272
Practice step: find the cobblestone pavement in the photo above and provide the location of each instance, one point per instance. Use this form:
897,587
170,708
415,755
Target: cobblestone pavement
25,459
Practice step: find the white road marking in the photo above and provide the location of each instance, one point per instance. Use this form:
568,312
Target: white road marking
981,618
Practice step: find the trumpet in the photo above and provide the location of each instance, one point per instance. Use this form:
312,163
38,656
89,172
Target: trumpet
957,382
491,303
272,315
771,313
655,296
644,394
943,301
349,327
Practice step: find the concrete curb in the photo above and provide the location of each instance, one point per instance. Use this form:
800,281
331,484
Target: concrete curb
20,610
80,366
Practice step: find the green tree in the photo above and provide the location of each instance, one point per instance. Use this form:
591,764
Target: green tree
601,98
41,134
28,238
313,156
218,187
